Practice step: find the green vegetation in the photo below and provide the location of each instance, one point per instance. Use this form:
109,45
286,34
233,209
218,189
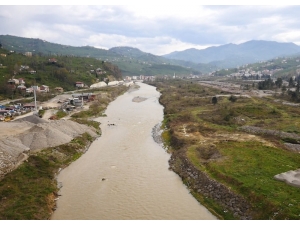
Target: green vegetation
29,191
60,114
65,72
209,136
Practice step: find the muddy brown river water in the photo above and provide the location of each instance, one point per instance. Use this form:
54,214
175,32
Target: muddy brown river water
124,175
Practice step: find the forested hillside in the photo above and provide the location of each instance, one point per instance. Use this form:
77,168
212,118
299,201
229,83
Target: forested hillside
59,71
131,61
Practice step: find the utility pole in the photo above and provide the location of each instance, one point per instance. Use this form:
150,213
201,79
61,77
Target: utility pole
34,92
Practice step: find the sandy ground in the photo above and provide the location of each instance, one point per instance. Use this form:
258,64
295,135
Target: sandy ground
54,102
138,99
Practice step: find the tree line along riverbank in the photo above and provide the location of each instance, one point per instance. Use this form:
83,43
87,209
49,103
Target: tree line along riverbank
231,170
31,190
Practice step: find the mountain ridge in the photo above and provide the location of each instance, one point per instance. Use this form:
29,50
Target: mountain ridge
250,52
132,61
129,67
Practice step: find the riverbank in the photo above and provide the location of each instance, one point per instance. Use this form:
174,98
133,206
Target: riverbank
230,171
30,191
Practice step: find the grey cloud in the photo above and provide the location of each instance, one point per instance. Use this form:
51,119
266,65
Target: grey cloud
226,24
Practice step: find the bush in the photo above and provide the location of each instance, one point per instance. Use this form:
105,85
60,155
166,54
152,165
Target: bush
214,100
232,98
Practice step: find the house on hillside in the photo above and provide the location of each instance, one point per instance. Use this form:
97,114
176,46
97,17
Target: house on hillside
13,81
21,81
22,87
59,89
127,78
99,71
28,54
79,84
22,67
53,60
29,90
44,88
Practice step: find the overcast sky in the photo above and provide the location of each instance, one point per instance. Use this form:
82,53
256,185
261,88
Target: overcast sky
155,28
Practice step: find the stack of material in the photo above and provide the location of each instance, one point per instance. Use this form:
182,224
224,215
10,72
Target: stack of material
97,85
33,134
52,134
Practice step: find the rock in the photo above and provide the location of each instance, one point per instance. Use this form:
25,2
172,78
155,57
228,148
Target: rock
59,185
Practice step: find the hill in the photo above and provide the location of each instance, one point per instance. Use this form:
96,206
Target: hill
232,55
131,61
59,71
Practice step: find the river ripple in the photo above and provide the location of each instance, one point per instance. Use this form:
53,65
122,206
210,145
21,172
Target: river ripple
124,175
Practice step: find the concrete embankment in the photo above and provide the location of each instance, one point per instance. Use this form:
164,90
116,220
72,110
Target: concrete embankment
199,182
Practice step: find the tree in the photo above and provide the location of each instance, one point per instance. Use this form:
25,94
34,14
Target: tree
298,87
283,89
232,98
214,100
291,82
278,82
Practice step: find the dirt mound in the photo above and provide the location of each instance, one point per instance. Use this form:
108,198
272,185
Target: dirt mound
32,134
32,119
51,134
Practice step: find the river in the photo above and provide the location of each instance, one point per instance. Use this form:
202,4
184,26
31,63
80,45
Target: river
124,175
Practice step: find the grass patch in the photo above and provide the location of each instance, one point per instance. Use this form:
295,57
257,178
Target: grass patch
249,168
213,143
27,193
61,114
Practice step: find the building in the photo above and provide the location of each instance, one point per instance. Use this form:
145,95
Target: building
53,60
59,89
22,87
21,81
99,71
84,96
44,88
28,54
79,84
13,81
29,106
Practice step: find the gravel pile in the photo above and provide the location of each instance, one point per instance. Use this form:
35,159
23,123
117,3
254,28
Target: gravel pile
32,134
52,134
32,119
